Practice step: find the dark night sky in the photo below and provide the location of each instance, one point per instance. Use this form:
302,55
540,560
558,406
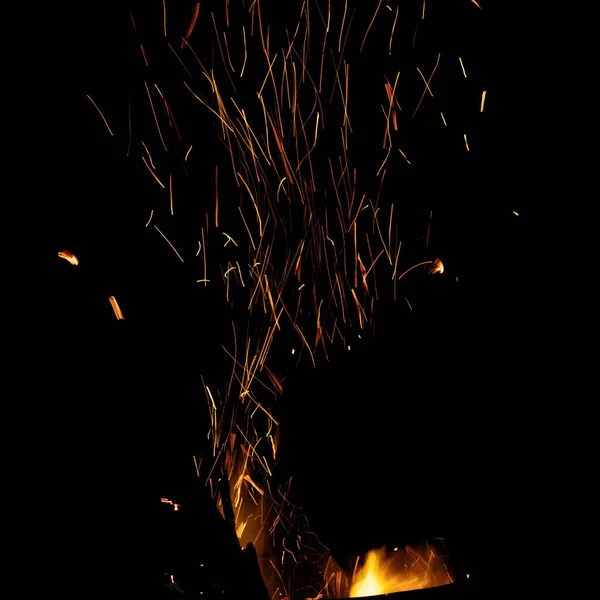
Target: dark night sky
440,381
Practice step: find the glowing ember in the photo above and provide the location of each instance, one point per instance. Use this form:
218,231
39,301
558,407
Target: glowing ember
399,571
69,256
171,503
437,266
116,308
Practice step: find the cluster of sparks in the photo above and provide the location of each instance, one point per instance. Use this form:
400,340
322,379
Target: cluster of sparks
305,247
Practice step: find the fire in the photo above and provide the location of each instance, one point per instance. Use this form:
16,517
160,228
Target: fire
400,571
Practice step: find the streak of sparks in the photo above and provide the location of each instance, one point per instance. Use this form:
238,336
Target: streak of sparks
100,113
427,88
162,185
149,155
168,242
311,259
466,142
462,66
425,262
370,25
245,53
392,33
483,95
192,23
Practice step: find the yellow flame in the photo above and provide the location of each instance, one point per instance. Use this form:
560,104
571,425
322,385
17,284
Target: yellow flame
398,572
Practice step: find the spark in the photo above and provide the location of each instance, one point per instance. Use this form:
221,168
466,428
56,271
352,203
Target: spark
187,153
149,155
279,187
170,503
269,72
168,242
69,257
462,67
100,113
404,155
370,24
227,49
515,213
466,142
254,485
477,5
444,120
342,27
245,52
162,185
483,95
150,219
171,193
427,88
192,23
116,309
426,262
229,239
179,60
205,279
164,18
392,34
155,117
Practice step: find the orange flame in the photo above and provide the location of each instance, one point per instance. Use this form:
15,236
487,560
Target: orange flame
400,571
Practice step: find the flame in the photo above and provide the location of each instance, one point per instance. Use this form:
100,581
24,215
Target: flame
399,571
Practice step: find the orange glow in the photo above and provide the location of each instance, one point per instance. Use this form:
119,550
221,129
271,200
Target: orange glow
399,571
69,256
171,503
116,309
437,266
